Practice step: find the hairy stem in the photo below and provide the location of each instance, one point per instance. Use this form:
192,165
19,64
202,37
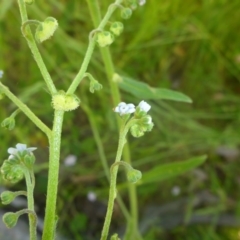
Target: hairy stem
33,47
55,142
109,68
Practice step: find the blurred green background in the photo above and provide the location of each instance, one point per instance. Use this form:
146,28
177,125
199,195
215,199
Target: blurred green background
190,46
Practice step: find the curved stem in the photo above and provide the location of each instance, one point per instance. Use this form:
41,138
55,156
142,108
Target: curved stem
113,177
26,23
27,111
33,47
132,226
55,142
92,43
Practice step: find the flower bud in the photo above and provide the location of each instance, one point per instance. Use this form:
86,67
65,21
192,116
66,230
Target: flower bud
126,13
46,29
137,131
104,38
116,28
65,102
133,175
29,160
7,197
8,123
10,219
94,85
12,171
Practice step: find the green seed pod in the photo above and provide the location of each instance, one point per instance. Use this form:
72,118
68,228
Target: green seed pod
8,123
10,219
126,13
104,38
94,86
7,197
133,175
116,28
46,29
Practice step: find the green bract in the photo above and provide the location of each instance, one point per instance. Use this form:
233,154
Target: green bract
65,102
46,29
134,175
126,13
8,123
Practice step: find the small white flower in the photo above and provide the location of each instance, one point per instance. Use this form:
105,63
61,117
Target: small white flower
141,2
19,148
70,160
144,106
1,73
123,108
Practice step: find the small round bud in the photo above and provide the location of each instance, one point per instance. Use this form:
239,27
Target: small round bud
8,123
46,29
29,1
137,131
10,219
104,38
7,197
65,102
94,86
12,171
133,175
29,160
126,13
116,28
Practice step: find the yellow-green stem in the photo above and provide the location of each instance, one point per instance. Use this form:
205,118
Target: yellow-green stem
55,143
109,68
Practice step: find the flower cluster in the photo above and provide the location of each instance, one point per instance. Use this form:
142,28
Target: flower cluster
19,158
144,121
124,108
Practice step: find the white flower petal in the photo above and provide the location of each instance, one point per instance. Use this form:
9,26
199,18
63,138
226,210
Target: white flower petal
124,108
21,147
144,106
141,2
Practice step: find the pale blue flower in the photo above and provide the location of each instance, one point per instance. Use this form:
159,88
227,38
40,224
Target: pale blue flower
144,106
20,148
123,108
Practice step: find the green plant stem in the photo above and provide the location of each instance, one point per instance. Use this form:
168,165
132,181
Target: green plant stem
33,47
113,177
27,111
30,198
109,68
89,52
55,142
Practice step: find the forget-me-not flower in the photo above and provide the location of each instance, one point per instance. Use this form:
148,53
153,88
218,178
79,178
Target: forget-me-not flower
20,147
144,106
124,108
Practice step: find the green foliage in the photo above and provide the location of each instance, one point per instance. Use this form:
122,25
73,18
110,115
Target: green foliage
187,46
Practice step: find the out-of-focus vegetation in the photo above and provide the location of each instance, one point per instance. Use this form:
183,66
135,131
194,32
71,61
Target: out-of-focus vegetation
189,46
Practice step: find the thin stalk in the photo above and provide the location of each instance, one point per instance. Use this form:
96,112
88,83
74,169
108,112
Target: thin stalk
109,68
88,55
30,198
33,47
27,111
55,142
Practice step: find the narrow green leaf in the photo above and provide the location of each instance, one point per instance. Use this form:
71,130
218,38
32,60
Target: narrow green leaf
144,91
165,171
